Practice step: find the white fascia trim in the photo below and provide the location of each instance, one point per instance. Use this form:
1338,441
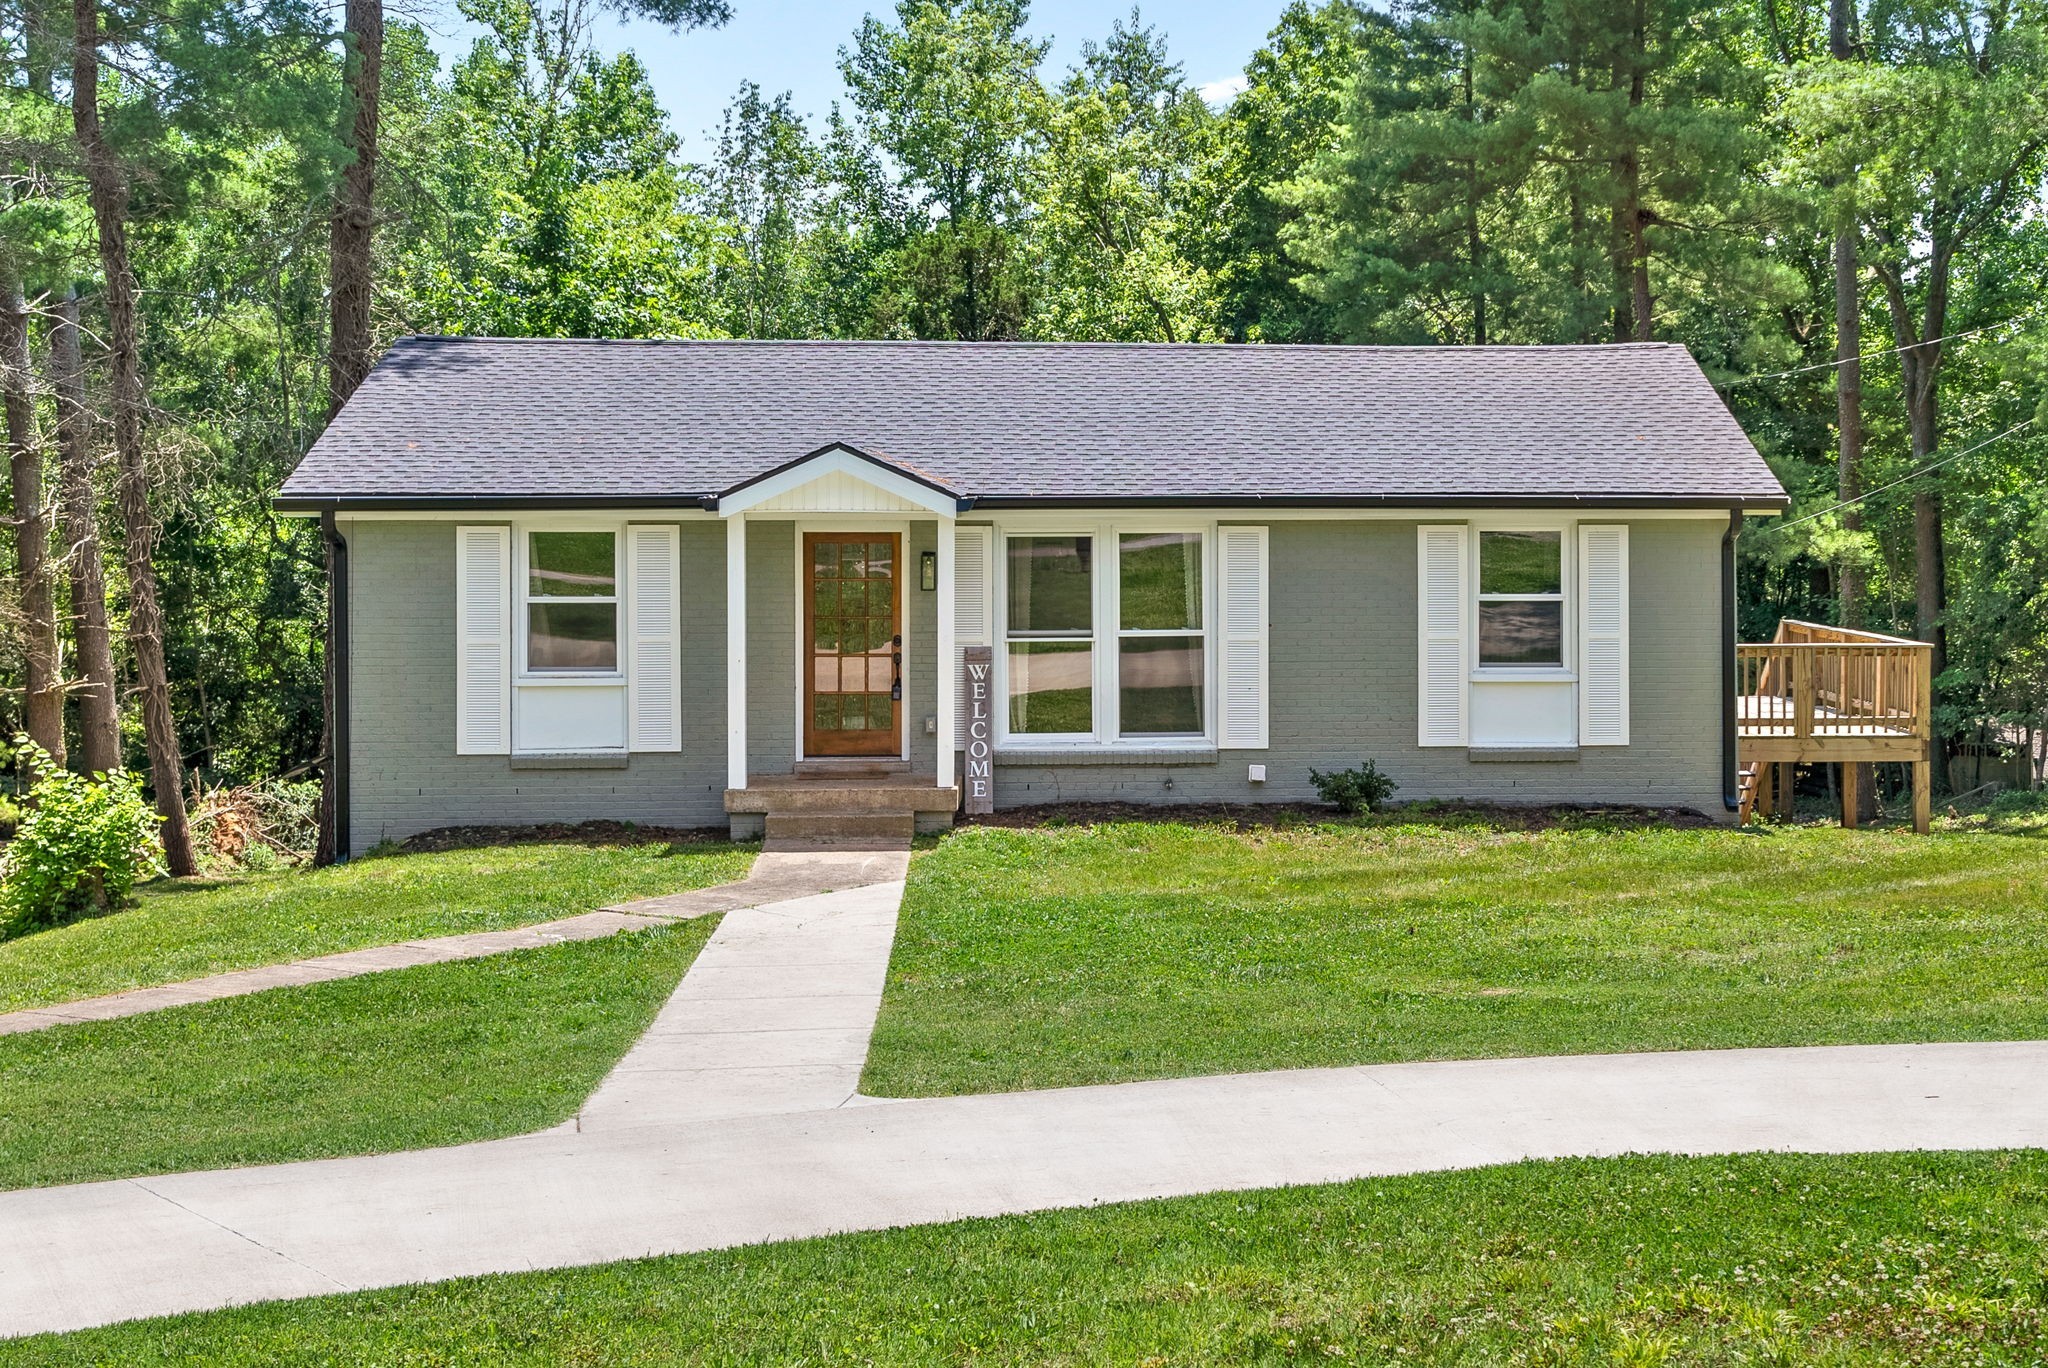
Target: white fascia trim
484,517
840,463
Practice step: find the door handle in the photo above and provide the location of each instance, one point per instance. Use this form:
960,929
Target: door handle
896,668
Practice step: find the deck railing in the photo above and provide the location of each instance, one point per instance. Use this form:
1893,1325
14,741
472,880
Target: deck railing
1819,681
1833,695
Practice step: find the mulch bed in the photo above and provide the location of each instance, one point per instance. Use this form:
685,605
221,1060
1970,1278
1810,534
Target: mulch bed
1253,816
561,833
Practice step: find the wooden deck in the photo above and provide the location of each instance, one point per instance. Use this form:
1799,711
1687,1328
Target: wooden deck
1832,695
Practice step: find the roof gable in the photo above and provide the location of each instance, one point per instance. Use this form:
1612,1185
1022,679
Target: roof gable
839,479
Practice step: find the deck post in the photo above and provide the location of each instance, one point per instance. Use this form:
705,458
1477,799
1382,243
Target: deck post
1923,768
1852,795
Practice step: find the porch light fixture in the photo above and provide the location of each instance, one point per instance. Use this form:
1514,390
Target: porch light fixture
928,570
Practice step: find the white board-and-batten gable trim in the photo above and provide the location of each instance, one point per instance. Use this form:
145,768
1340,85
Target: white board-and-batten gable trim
838,480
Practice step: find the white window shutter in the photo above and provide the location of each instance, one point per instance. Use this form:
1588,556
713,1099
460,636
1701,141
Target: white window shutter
483,640
974,614
653,634
1443,608
1241,633
1603,636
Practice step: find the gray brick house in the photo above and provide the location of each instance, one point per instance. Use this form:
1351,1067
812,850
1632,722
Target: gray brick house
691,582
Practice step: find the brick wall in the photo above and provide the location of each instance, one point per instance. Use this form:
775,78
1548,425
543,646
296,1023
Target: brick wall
1343,682
404,774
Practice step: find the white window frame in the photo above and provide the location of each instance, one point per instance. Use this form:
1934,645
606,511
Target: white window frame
1106,635
1567,650
522,582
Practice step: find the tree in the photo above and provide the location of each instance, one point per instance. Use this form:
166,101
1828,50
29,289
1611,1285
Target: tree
762,191
949,97
1935,147
34,599
107,191
1285,117
1115,190
99,721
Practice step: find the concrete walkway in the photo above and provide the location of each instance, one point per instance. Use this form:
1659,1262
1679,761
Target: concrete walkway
776,875
729,1123
85,1255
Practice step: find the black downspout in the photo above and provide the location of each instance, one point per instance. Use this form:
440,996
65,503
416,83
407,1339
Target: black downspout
1731,779
337,674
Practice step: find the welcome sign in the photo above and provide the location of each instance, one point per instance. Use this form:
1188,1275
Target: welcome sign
977,675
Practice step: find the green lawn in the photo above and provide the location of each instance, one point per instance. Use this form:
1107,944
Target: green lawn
1757,1260
186,930
390,1061
1041,958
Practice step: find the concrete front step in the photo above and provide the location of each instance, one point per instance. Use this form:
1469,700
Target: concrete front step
887,830
842,797
849,769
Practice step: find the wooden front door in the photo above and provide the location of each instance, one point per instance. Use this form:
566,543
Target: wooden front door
853,674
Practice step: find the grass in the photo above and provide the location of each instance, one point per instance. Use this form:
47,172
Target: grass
1032,959
189,929
393,1061
1755,1260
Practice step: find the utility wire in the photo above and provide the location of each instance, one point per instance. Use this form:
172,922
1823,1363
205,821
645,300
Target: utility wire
1903,479
1888,351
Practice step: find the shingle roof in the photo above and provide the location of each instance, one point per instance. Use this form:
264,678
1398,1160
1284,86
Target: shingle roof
501,420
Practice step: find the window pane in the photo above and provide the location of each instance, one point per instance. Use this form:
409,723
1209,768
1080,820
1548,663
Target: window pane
1049,578
572,636
1162,580
1528,632
570,565
1052,687
1160,685
1520,563
880,712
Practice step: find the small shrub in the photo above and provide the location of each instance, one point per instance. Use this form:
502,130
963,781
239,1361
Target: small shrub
1353,791
79,850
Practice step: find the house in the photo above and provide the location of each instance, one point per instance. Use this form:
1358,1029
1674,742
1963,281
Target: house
687,582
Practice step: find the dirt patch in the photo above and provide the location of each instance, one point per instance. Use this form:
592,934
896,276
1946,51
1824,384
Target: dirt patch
560,833
1253,816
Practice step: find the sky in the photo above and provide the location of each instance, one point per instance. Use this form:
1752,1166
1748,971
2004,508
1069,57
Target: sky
794,46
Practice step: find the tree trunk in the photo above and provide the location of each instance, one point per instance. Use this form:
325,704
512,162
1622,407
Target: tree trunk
107,190
351,276
1849,365
352,228
99,717
44,709
1930,560
1848,419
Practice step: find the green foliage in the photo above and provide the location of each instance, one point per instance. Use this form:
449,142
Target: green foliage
79,849
1352,791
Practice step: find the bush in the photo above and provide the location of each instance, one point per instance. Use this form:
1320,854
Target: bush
81,846
1354,791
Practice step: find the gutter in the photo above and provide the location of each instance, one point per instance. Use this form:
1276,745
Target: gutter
1731,777
337,677
326,503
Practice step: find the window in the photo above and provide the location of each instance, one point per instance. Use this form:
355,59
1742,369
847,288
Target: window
1070,675
1160,666
1521,599
572,603
1052,636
